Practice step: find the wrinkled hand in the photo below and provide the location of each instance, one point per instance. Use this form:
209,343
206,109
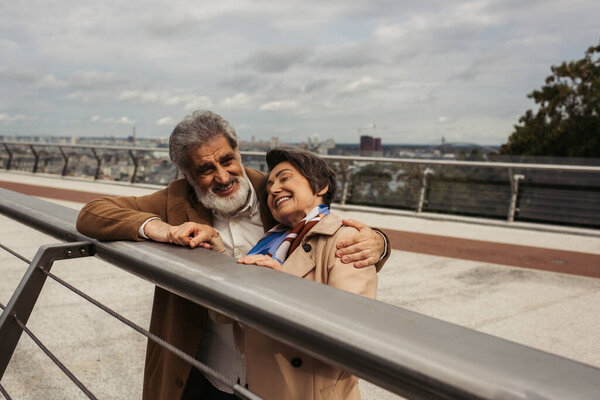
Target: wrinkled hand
364,248
189,234
262,260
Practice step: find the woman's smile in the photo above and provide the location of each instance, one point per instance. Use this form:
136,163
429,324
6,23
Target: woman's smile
290,195
281,200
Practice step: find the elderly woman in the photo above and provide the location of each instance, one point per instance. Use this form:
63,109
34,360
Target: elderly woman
299,190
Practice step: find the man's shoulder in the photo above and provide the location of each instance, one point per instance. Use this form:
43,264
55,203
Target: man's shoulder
179,187
256,177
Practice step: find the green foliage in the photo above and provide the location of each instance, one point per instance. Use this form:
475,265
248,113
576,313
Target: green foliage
567,123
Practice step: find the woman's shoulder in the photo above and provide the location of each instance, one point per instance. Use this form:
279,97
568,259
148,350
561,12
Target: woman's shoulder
331,225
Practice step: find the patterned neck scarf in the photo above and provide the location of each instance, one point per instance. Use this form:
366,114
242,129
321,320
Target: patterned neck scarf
279,242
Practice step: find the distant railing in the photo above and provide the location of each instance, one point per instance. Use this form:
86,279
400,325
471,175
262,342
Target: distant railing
559,194
405,352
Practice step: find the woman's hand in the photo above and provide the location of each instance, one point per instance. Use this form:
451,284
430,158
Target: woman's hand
262,260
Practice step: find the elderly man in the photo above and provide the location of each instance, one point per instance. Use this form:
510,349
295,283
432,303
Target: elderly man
216,197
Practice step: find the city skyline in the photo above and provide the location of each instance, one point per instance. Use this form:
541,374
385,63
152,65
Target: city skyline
403,71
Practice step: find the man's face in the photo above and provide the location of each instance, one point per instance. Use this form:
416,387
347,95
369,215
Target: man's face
218,176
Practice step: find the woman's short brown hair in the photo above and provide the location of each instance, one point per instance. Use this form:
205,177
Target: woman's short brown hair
311,166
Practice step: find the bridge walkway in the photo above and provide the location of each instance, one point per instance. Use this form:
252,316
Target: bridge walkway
532,284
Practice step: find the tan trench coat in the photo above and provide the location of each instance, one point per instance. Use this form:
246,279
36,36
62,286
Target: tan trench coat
277,371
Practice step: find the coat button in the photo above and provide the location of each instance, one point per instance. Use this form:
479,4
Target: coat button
179,383
306,247
296,362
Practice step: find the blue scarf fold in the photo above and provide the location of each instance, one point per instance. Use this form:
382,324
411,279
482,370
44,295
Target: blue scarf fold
279,242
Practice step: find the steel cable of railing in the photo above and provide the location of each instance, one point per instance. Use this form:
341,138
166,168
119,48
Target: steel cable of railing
42,347
240,391
56,361
5,393
15,254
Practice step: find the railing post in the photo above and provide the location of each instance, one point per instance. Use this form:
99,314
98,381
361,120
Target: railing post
10,156
424,183
25,296
514,187
98,164
66,164
37,158
135,166
346,174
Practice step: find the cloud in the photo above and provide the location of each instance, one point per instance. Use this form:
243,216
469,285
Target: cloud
112,121
89,79
192,102
7,119
277,59
343,63
476,68
173,23
21,75
363,84
279,105
316,84
77,80
8,44
242,83
50,82
79,96
165,121
188,100
237,100
354,57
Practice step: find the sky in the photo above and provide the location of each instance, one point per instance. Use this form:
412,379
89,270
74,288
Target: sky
405,71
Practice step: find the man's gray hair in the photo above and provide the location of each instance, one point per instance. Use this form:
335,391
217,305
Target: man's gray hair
196,130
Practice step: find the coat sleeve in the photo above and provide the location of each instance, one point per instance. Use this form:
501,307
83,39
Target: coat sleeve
119,218
361,281
379,264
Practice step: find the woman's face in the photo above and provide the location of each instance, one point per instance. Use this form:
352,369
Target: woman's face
290,196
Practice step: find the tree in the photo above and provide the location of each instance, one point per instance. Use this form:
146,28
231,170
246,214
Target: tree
567,123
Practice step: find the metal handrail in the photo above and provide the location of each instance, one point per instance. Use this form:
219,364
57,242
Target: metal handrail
417,161
403,351
426,191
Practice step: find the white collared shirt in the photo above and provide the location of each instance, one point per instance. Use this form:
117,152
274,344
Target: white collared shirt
218,349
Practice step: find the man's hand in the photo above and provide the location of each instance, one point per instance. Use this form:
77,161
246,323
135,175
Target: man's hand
189,234
260,259
364,248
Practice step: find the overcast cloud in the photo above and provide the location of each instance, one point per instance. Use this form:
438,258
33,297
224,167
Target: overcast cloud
407,71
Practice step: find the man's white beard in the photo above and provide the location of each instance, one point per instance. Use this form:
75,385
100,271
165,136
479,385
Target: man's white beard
225,205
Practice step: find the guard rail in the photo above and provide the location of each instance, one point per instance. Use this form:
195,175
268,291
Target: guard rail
405,352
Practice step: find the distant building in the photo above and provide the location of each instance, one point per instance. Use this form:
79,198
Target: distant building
276,142
325,146
370,146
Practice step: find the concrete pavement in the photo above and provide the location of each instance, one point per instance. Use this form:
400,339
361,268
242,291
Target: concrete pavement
550,311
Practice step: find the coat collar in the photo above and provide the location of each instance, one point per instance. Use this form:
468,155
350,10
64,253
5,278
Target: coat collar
327,226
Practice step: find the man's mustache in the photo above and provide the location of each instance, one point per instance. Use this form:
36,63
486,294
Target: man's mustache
223,186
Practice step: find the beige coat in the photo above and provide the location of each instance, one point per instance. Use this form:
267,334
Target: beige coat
277,371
